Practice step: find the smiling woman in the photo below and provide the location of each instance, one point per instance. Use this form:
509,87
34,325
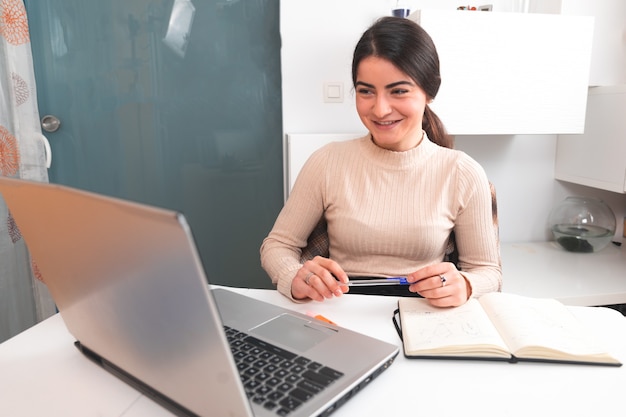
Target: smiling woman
391,199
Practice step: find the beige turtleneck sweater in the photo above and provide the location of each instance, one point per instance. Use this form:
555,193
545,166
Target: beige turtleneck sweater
388,213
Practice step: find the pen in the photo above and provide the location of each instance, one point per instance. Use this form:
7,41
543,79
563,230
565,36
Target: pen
376,281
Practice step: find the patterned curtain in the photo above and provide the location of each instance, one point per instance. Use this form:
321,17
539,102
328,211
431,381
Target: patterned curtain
24,299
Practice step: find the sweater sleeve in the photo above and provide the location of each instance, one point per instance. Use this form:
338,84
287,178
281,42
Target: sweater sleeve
476,230
281,249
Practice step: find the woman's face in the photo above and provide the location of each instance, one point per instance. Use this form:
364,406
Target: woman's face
390,104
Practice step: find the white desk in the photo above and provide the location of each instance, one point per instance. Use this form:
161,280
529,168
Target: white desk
544,269
41,373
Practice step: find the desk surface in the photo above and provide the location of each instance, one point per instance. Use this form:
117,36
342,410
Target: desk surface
544,269
43,374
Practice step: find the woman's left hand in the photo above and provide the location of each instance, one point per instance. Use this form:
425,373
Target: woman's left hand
442,284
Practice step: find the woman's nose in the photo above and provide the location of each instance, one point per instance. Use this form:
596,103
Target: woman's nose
381,107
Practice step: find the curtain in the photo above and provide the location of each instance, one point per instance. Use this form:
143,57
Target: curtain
24,299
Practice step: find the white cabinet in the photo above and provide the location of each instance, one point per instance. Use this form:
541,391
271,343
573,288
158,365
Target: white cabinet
597,158
608,63
301,146
510,73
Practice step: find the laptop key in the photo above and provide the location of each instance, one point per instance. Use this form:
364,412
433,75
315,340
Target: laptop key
272,348
330,372
260,363
318,378
252,384
270,405
247,346
281,373
310,386
293,378
262,376
297,369
258,399
236,343
290,403
301,360
251,371
284,387
276,360
270,368
273,381
275,396
301,394
263,390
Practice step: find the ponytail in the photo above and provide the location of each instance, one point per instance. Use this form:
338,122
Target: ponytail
435,129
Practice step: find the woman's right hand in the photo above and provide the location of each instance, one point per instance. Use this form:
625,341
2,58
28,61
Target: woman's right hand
318,279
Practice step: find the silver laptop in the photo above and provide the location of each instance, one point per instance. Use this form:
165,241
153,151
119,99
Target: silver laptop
130,286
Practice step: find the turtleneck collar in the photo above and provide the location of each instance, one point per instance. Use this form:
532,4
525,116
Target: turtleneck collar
397,160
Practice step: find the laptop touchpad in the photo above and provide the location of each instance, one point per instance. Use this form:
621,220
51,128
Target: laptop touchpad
292,331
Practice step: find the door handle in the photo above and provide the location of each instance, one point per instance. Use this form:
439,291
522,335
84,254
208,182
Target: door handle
50,123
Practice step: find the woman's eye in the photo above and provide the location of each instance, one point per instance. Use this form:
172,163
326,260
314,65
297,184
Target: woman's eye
399,91
364,91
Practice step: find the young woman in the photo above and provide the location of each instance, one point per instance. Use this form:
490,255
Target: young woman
391,199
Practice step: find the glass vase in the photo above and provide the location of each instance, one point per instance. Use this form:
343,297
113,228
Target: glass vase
582,224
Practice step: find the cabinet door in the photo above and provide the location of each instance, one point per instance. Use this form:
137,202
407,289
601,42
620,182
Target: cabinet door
301,146
597,158
510,73
608,64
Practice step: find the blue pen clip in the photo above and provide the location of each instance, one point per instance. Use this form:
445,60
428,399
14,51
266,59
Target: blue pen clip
376,281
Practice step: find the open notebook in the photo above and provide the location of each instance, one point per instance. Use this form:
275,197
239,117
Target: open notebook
130,286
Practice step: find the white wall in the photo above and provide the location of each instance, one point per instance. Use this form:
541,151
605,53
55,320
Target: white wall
522,170
318,37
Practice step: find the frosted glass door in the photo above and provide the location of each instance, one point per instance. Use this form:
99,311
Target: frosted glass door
171,103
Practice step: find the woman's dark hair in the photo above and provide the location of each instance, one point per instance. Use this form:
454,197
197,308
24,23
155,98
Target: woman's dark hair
408,47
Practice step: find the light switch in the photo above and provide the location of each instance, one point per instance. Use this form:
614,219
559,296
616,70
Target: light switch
333,92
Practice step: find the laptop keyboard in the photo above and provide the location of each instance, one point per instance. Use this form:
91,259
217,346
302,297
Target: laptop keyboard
275,378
